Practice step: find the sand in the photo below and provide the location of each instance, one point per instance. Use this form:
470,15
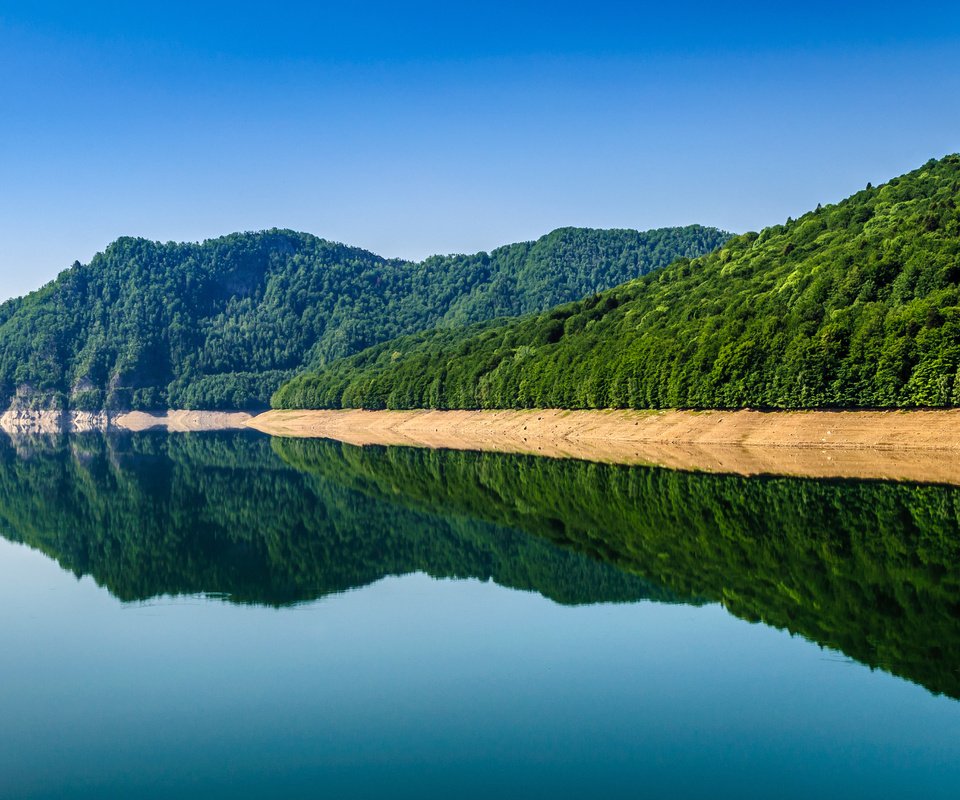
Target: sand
922,446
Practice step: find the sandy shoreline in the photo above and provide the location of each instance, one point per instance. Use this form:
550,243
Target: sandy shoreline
922,446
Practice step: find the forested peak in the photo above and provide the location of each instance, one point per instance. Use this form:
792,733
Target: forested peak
612,237
257,248
569,232
240,245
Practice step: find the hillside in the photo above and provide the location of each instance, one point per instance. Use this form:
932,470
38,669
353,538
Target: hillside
222,323
852,305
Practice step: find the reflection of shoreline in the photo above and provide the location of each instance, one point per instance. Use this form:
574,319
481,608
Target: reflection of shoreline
29,421
917,446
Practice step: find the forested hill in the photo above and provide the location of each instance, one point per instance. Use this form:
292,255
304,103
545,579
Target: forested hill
221,324
852,305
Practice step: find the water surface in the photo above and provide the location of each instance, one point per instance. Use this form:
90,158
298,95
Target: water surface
225,615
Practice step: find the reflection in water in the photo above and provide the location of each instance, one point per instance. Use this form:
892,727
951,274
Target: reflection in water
869,568
152,514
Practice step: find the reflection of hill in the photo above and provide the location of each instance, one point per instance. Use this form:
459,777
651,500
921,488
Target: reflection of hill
869,568
150,514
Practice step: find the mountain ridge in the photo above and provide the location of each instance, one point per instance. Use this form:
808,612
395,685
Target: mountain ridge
221,323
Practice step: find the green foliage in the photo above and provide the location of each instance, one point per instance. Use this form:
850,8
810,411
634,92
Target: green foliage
224,323
852,305
866,567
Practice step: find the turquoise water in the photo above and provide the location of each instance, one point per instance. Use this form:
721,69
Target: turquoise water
230,616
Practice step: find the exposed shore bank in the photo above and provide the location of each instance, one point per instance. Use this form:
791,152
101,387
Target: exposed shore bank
25,421
921,446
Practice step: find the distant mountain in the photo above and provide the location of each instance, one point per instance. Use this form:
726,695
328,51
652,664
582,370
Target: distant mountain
852,305
222,323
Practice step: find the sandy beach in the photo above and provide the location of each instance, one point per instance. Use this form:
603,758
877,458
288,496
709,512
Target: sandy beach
922,446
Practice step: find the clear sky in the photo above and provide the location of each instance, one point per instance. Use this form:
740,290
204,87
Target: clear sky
414,128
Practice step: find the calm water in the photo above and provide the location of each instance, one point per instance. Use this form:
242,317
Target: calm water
225,615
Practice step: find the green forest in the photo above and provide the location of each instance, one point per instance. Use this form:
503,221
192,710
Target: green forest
223,323
852,305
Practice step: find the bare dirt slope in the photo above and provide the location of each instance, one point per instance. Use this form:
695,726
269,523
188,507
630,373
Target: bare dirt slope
898,445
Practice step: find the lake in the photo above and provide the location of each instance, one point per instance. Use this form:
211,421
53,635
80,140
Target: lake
230,615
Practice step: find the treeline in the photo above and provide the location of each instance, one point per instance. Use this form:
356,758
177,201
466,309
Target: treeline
223,323
865,567
851,305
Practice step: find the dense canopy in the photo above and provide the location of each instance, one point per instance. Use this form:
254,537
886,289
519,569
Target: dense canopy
223,323
852,305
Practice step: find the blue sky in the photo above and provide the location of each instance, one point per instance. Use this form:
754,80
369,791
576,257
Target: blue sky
424,127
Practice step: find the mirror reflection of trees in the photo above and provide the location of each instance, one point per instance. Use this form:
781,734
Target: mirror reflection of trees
151,514
868,568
